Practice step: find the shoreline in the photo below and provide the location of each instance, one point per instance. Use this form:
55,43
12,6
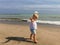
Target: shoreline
18,20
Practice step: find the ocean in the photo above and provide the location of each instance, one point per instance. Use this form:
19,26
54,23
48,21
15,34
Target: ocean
43,18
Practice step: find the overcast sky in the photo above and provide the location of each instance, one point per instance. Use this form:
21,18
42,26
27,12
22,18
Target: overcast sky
40,5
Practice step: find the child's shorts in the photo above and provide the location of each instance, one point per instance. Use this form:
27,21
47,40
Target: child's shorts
33,31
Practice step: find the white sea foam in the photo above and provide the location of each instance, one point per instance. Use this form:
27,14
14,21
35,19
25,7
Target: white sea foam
48,22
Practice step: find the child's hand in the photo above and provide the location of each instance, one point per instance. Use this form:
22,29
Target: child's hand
32,20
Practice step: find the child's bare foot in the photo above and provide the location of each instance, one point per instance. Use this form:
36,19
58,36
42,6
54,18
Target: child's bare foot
35,41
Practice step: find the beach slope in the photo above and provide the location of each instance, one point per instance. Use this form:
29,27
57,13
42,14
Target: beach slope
18,34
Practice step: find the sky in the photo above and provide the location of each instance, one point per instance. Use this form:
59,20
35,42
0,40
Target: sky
28,6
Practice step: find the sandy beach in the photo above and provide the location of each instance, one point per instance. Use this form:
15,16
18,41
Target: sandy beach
18,34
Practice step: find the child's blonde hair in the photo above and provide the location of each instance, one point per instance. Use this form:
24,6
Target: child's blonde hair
36,16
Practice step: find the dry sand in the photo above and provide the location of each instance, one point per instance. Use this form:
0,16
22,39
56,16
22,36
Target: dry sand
18,34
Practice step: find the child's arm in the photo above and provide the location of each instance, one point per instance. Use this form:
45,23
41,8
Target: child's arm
31,19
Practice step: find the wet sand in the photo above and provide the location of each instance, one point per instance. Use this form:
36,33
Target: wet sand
18,34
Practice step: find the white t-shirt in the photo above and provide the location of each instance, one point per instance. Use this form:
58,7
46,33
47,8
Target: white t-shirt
33,25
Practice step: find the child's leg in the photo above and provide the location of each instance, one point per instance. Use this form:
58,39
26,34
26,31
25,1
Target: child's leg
31,35
34,38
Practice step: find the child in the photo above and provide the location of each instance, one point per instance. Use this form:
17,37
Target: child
33,27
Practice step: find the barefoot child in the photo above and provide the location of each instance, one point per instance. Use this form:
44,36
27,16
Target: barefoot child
33,27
